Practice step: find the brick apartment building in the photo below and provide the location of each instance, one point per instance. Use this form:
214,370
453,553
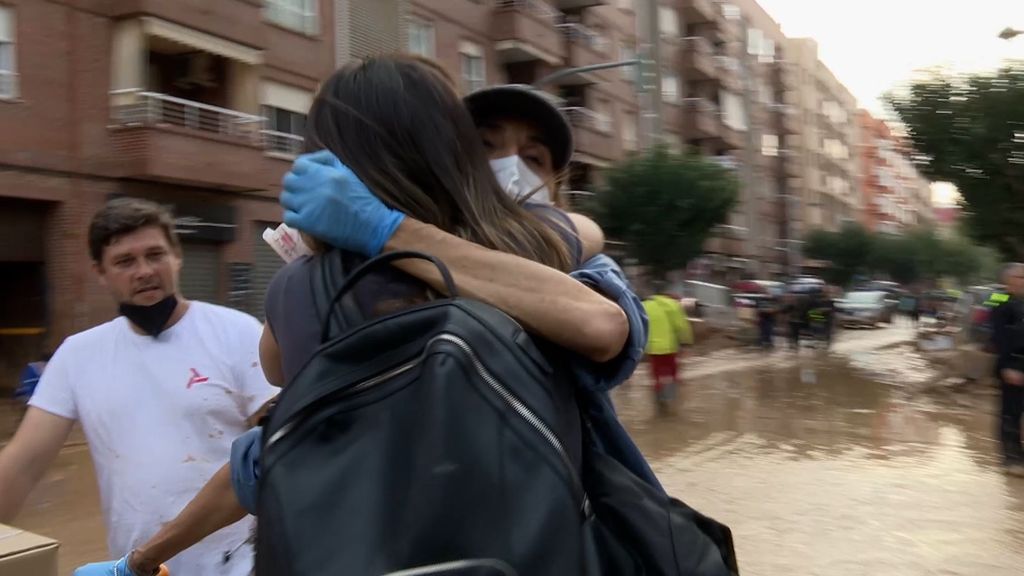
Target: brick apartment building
199,104
522,41
826,149
895,196
192,103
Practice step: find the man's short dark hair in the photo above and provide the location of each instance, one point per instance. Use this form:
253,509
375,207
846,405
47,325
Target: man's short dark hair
126,215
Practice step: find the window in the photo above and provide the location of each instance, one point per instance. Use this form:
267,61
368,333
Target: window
731,12
472,66
668,21
603,116
770,144
421,38
285,121
8,70
298,15
284,131
767,54
669,86
629,131
626,4
628,52
733,113
754,38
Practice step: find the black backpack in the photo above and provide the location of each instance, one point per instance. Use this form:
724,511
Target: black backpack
442,439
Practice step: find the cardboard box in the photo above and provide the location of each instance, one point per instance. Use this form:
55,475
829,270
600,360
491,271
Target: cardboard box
26,554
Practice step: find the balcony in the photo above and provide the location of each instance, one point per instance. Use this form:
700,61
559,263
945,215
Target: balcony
789,118
732,138
728,73
282,144
595,139
699,11
792,165
160,137
235,20
586,48
701,119
672,116
698,58
577,5
787,72
524,31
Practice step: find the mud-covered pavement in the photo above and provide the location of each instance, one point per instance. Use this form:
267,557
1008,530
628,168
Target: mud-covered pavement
832,464
841,463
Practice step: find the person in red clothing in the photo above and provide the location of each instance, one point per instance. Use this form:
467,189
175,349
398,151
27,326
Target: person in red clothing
668,330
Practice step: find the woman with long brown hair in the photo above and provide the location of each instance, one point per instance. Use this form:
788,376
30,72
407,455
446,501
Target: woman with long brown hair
397,125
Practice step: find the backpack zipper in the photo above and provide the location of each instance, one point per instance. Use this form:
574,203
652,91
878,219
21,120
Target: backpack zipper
514,402
368,383
521,409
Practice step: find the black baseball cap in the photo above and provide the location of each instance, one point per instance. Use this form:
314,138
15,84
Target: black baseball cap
528,103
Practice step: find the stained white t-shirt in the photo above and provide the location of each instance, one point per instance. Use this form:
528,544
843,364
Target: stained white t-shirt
159,415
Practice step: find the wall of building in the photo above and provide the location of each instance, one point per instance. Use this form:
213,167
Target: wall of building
62,156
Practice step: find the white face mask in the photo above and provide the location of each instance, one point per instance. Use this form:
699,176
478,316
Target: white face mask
517,180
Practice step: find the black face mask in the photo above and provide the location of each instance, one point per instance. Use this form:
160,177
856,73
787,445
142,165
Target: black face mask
150,319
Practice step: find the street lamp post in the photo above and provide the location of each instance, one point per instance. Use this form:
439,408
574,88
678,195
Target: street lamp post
558,75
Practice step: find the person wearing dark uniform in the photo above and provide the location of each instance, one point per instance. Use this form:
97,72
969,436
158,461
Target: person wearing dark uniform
1008,339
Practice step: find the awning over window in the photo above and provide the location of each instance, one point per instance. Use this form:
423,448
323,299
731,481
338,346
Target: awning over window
201,41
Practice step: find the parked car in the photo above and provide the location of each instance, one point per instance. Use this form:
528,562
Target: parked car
893,294
806,284
862,308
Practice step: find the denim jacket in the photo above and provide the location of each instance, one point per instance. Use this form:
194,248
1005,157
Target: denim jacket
594,379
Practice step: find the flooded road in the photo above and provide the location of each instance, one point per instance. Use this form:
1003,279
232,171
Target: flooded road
838,463
832,464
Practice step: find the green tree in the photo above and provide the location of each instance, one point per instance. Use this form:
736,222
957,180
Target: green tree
664,205
893,256
848,251
970,131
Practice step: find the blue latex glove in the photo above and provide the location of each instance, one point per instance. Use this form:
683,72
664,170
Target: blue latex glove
116,568
323,197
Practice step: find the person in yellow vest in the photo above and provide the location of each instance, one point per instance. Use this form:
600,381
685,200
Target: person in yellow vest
668,330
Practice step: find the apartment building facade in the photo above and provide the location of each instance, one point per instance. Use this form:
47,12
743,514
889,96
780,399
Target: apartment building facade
894,195
197,104
827,191
521,41
724,81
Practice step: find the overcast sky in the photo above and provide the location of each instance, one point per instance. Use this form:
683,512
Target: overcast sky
874,45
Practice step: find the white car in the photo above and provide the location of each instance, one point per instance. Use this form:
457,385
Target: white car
865,308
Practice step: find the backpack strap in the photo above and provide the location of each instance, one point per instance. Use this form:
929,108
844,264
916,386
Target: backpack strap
333,268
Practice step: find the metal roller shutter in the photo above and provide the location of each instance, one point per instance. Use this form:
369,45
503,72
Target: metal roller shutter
265,264
201,272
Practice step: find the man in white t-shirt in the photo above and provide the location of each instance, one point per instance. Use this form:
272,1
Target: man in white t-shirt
160,391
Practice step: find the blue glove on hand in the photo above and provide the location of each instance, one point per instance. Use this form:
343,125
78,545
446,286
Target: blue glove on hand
323,197
118,568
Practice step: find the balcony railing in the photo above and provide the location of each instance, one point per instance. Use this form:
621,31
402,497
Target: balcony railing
282,142
587,118
538,8
141,108
699,44
701,105
578,33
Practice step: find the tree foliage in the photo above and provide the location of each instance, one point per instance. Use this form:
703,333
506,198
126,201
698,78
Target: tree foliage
970,131
848,251
664,205
919,255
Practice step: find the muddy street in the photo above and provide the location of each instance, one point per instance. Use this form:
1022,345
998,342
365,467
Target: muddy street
841,463
837,463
